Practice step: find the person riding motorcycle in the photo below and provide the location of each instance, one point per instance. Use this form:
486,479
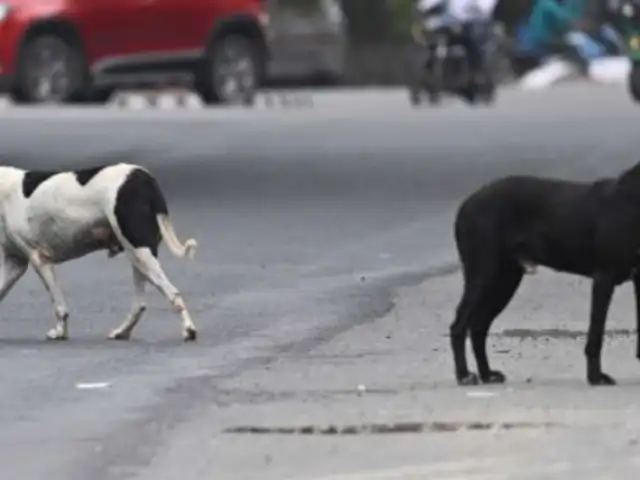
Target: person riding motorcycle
466,21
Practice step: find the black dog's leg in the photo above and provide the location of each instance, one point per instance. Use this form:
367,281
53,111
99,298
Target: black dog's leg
601,294
458,331
498,297
480,260
479,301
636,289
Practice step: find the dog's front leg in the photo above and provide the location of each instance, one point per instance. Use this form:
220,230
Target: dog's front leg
601,294
45,271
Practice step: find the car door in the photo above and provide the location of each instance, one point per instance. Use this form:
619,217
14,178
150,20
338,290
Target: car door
114,31
181,27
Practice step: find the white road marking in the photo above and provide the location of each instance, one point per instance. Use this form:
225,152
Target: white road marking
92,386
481,394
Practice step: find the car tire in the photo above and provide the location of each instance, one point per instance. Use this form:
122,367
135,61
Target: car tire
50,70
232,58
633,82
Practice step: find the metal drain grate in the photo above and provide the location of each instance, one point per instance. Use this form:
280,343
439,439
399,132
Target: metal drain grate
385,428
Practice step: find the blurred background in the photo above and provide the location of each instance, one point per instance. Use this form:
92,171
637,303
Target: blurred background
326,254
369,42
83,51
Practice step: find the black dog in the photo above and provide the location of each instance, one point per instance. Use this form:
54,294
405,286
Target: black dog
511,225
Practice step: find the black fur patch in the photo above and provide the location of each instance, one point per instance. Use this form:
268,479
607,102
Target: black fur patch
34,178
85,175
138,202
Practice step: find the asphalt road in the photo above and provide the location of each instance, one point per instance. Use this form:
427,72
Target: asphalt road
307,220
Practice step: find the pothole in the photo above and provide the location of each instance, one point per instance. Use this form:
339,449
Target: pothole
557,333
387,428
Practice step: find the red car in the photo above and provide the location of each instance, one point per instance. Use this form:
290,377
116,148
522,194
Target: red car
63,51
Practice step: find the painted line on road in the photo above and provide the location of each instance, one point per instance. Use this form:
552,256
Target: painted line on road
481,394
92,386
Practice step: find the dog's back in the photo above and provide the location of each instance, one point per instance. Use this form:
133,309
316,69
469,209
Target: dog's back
538,220
527,194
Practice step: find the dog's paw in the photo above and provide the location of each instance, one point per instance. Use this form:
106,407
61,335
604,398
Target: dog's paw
600,379
494,376
468,379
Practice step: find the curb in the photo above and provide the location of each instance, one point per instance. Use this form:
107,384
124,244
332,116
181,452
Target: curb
182,100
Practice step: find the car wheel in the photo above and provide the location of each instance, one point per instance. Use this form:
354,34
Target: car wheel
232,72
634,82
50,70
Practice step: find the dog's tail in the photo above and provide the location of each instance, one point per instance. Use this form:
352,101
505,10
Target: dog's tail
159,207
140,189
179,249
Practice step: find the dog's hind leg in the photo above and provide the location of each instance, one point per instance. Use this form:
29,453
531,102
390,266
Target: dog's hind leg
498,293
476,265
140,221
123,332
149,266
458,333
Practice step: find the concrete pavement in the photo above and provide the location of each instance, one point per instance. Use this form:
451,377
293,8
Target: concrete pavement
396,373
309,222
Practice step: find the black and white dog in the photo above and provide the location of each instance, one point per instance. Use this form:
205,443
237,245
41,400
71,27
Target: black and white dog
47,218
511,225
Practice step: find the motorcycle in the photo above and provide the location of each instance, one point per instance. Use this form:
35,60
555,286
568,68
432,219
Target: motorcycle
441,65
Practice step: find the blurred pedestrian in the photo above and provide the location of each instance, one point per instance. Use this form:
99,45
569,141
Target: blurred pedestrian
591,35
575,28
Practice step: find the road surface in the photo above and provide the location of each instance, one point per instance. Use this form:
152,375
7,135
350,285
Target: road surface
316,227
